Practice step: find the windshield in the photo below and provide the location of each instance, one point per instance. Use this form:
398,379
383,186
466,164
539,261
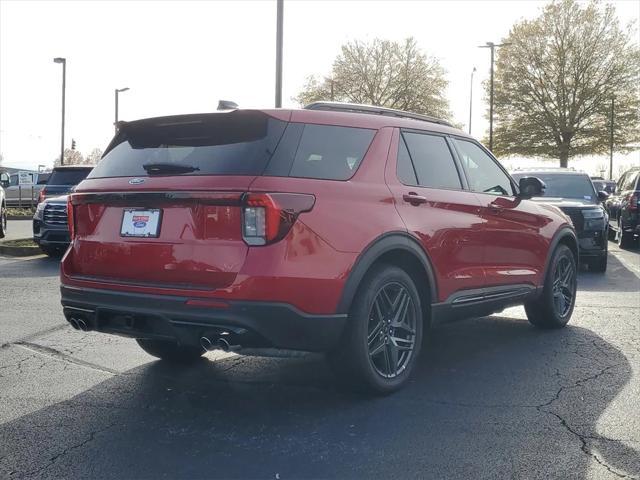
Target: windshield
565,186
68,176
237,143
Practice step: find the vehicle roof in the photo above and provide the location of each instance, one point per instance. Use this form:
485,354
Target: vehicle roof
73,167
321,117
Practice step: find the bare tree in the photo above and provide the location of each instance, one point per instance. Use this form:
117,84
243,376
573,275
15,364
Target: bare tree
555,82
383,73
94,157
71,157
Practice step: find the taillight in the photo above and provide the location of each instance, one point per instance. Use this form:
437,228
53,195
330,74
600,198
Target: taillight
633,201
268,217
42,194
70,218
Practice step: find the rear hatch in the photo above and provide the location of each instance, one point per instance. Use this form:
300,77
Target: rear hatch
163,207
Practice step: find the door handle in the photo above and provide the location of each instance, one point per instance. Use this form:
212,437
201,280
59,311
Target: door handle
413,198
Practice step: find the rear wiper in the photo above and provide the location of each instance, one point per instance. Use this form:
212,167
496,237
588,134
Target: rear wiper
168,168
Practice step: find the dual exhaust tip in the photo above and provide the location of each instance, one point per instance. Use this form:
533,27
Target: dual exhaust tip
219,343
79,324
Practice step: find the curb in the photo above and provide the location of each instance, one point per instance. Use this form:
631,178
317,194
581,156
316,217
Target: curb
19,251
19,217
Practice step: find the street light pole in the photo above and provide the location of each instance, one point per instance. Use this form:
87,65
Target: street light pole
117,91
63,61
492,46
471,99
613,101
279,22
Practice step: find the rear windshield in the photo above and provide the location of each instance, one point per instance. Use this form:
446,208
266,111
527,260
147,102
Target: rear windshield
237,143
565,186
68,176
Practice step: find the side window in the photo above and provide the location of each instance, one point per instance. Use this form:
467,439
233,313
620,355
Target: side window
406,173
620,183
432,160
13,180
483,173
330,152
630,181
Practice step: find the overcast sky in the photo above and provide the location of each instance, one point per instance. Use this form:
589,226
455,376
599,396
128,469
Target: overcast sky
181,57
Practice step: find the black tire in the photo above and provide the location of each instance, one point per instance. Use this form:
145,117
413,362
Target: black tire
624,239
170,351
598,265
545,311
3,221
373,340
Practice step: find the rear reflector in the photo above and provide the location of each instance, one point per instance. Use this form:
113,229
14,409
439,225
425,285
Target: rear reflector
71,218
268,217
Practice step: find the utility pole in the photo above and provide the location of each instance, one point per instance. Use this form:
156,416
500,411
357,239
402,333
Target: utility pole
279,22
492,46
117,91
471,99
613,100
63,61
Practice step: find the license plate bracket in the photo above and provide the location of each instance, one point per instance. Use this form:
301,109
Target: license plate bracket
140,222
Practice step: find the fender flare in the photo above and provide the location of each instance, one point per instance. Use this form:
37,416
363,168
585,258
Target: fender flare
563,232
378,247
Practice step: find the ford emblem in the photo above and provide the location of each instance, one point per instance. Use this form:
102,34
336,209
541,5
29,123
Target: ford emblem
136,181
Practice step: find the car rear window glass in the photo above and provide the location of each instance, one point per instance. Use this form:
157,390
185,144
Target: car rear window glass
236,143
330,152
432,160
562,185
68,176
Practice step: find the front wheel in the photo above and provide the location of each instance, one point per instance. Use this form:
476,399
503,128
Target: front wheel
553,308
383,338
170,351
3,221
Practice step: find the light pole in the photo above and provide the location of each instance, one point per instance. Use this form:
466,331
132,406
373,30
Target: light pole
613,102
279,21
492,46
471,98
63,61
117,91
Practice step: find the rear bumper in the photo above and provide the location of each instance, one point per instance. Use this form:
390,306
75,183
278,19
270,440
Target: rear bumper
255,324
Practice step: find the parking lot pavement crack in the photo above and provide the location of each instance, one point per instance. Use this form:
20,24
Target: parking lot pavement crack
57,355
57,456
584,446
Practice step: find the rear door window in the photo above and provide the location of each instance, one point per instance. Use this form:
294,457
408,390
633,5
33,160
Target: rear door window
432,160
630,181
330,152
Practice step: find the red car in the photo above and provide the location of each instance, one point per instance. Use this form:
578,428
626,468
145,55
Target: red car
338,228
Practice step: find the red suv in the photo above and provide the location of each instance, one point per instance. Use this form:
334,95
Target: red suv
337,228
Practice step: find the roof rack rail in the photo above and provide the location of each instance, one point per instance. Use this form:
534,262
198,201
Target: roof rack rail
372,110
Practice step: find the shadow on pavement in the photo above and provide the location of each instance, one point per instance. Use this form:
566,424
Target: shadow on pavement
41,266
488,399
617,278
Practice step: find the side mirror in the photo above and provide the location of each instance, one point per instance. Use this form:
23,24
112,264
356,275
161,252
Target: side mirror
602,195
5,180
531,187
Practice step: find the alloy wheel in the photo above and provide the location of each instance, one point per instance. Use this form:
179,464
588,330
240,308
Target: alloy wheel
564,286
391,330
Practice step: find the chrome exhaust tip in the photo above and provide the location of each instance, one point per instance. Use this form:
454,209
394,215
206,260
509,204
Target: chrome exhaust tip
74,323
82,325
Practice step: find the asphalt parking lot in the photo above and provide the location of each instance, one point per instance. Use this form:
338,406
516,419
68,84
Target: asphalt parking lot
491,398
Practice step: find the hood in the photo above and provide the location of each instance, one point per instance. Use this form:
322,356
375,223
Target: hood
565,202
